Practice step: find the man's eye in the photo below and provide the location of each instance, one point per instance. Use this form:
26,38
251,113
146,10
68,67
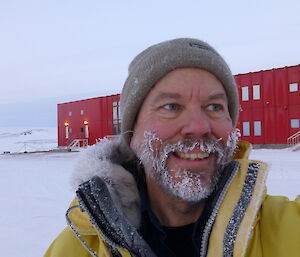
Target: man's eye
171,107
215,107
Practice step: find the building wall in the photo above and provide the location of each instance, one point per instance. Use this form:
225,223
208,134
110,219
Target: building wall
274,109
96,112
267,114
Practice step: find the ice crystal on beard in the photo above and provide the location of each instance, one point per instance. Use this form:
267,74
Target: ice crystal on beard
190,186
231,143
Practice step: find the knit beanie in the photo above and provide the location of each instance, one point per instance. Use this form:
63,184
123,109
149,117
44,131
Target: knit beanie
156,61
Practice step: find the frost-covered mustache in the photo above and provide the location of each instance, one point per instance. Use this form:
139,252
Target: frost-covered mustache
207,145
157,150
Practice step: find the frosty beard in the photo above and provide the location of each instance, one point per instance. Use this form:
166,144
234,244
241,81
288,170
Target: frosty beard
184,184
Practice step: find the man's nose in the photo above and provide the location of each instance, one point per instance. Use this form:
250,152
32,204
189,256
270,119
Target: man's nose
196,124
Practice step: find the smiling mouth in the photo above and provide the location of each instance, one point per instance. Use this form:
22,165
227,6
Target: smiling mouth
192,156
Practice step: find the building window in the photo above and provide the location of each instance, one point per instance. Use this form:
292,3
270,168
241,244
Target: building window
295,123
256,92
257,128
81,112
293,87
70,130
70,114
245,94
246,128
116,118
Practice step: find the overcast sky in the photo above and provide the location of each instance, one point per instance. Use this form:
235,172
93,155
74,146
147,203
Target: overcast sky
56,51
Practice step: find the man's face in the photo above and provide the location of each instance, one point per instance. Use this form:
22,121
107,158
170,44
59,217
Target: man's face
182,125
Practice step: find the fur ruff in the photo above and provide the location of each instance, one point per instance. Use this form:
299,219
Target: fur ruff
103,160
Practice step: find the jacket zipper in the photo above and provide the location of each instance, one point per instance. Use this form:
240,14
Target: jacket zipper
210,222
106,238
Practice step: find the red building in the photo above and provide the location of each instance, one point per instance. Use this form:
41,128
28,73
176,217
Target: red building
88,120
269,105
269,110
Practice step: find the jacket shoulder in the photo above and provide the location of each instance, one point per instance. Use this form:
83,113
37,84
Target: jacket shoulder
277,230
67,244
280,212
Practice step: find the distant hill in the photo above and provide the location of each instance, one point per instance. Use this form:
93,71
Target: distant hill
27,139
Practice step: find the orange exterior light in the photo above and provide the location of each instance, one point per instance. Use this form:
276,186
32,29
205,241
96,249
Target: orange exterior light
85,122
66,124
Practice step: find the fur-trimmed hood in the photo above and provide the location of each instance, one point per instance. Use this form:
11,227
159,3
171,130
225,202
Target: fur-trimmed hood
104,160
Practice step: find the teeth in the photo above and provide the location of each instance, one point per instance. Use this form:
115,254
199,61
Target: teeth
192,156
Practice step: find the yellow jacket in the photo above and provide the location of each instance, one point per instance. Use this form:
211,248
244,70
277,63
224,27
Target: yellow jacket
248,221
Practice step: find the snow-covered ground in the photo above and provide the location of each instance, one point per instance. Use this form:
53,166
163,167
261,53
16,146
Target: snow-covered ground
35,189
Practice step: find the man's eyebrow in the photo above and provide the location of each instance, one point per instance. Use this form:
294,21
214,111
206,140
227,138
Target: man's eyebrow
166,95
221,96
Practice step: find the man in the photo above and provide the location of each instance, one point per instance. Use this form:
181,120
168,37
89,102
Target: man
176,182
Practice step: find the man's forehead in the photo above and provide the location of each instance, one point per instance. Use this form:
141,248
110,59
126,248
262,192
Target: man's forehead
187,82
163,95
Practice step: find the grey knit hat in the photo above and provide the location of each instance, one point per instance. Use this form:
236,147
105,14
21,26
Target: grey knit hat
156,61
